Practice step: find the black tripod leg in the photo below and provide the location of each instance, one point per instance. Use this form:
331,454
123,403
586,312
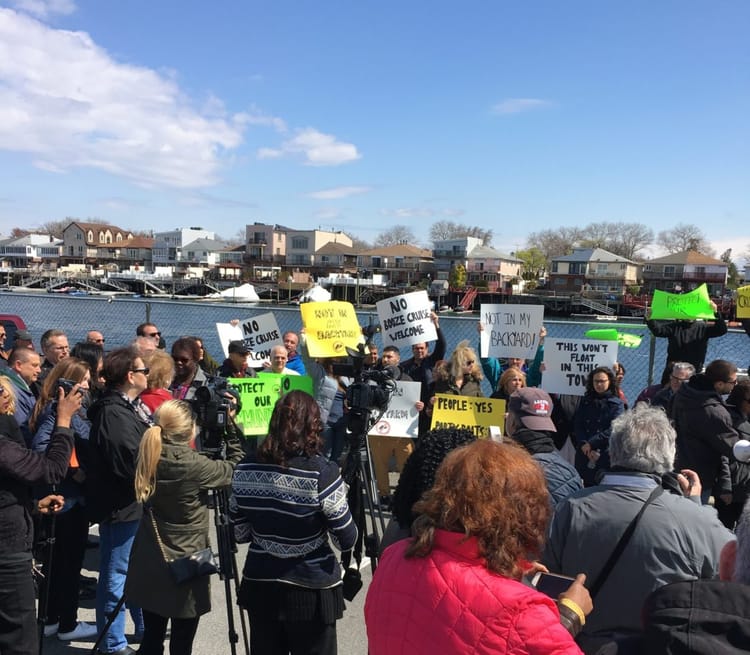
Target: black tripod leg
110,620
44,587
228,567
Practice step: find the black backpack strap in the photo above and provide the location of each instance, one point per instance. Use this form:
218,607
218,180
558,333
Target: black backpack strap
620,547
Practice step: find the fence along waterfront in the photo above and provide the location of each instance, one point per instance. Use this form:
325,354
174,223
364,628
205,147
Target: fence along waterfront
118,320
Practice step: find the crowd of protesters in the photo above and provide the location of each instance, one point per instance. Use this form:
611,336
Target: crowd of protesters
624,500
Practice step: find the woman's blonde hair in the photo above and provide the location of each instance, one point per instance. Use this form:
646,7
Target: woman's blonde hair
174,422
507,375
6,384
463,354
161,369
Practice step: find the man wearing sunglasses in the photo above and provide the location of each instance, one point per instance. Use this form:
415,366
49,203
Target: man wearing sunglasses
150,331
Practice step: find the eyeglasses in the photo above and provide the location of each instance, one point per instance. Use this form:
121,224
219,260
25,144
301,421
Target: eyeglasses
732,382
601,380
145,370
674,377
469,363
153,334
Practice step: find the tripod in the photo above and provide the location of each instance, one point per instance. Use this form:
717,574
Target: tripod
359,475
49,543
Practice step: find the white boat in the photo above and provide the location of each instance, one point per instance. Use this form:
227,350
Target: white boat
242,293
315,293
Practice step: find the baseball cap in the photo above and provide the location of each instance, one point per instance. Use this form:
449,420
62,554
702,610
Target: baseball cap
238,347
533,407
23,335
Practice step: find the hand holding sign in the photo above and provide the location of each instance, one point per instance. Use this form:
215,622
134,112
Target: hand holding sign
682,306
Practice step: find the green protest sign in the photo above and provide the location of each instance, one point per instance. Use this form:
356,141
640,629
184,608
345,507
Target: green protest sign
682,306
625,339
259,395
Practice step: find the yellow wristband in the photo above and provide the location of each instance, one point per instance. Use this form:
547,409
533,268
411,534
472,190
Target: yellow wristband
573,606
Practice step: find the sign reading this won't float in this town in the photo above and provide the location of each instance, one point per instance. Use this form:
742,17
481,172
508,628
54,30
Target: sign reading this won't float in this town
406,319
331,328
510,330
259,334
468,413
568,362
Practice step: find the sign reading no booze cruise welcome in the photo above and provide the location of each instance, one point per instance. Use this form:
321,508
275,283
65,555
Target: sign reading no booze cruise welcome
405,320
260,334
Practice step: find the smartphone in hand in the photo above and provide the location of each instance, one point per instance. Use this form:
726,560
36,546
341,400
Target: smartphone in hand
551,584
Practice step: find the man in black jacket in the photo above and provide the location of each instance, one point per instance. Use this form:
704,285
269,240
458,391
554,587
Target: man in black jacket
703,423
687,341
21,468
419,369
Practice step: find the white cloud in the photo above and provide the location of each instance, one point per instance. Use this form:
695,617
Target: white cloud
315,148
339,192
257,117
327,214
519,105
420,212
45,8
66,102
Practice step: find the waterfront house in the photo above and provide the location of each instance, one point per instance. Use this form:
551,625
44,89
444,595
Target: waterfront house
684,271
592,269
401,263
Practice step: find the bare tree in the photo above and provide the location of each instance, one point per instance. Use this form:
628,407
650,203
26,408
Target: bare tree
629,239
685,236
555,243
394,235
443,230
359,244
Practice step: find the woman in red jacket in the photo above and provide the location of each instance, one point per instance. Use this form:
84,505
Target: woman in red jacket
456,587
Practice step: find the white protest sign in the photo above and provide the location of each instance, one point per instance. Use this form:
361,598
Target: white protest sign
568,362
405,320
259,333
401,419
510,330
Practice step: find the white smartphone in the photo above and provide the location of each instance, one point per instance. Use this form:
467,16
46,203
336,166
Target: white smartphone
551,584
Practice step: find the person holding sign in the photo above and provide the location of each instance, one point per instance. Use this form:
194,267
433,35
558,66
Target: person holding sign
235,365
465,378
493,368
599,406
419,368
511,380
687,341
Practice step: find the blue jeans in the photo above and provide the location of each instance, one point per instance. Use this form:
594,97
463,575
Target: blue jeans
115,542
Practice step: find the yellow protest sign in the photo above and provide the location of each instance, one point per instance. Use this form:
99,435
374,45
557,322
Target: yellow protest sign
475,414
682,306
330,327
743,302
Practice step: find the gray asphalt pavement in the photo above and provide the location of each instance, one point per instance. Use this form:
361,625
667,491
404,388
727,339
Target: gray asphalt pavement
212,637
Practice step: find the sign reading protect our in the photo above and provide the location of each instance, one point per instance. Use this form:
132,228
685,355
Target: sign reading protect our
682,306
259,395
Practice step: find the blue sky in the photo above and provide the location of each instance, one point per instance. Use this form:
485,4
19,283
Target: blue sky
518,116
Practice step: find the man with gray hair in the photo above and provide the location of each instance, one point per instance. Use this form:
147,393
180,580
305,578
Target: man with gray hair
673,538
679,374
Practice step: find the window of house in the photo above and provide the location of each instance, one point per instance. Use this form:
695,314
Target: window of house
90,236
669,271
559,281
377,262
300,243
554,267
601,269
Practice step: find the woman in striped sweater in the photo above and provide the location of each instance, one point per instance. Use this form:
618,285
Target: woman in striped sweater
290,498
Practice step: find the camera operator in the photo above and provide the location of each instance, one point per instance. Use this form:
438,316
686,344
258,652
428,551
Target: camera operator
19,469
174,479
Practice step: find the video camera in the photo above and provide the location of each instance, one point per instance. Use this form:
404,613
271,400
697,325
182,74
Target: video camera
212,405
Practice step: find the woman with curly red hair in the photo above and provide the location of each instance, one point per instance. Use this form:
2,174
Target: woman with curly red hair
290,498
456,586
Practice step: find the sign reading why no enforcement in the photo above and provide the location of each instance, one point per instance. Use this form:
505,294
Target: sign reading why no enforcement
331,328
405,320
468,413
